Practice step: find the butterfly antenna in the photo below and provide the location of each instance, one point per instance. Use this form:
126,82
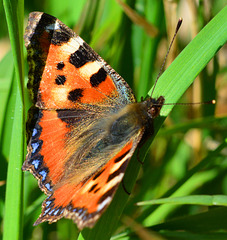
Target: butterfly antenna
164,61
198,103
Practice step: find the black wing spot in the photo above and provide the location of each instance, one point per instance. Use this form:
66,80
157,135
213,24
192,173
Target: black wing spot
121,169
61,36
98,77
60,65
60,80
121,157
75,94
80,57
96,190
93,187
98,174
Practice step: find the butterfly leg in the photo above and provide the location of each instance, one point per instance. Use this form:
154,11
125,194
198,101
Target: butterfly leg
123,185
138,157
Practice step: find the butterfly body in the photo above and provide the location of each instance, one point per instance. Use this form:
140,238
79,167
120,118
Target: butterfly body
88,123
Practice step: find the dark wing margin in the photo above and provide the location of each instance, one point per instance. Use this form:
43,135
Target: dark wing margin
37,42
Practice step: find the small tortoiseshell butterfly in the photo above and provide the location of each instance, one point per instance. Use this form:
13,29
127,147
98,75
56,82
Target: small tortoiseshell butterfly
87,123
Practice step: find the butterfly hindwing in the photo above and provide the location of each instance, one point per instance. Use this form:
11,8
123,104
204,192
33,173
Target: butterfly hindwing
85,202
80,163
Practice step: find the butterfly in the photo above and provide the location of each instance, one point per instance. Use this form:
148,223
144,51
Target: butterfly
86,123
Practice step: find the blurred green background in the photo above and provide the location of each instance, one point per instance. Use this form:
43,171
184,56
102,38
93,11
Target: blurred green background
188,155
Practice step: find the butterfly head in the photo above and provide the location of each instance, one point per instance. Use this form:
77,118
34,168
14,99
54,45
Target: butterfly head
154,106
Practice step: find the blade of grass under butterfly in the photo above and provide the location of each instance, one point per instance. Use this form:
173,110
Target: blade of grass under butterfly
13,204
172,84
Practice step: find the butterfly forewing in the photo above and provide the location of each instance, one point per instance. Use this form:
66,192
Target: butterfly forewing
72,73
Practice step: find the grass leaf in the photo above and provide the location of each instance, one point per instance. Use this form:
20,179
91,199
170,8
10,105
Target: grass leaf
14,199
215,200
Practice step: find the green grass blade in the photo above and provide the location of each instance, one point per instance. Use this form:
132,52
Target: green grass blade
5,83
214,219
14,10
215,200
185,186
13,202
191,185
154,9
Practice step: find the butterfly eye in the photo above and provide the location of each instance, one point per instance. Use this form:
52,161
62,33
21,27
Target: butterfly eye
152,112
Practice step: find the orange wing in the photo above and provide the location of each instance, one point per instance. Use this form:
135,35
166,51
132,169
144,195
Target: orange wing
65,72
86,128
